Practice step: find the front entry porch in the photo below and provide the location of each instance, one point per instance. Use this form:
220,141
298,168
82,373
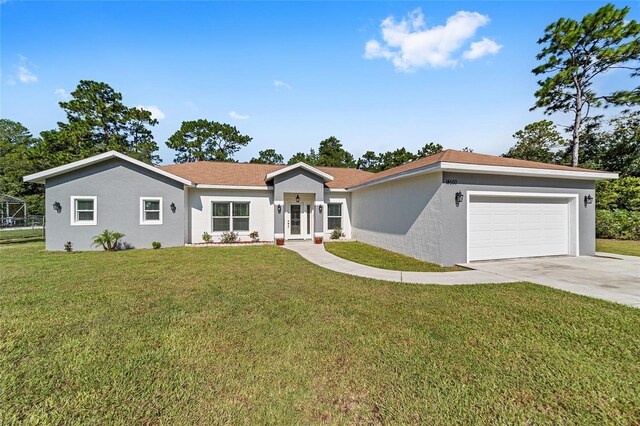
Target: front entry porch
298,198
299,221
301,218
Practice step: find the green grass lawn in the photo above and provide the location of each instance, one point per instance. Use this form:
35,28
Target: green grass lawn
15,234
258,335
629,248
366,254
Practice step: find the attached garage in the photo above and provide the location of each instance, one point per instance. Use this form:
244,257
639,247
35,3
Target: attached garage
458,207
512,225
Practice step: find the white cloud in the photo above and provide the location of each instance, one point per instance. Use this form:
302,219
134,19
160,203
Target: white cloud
23,74
62,94
154,110
237,116
281,85
481,48
26,76
410,44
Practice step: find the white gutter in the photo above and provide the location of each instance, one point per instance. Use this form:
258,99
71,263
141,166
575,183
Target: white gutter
246,187
527,171
492,170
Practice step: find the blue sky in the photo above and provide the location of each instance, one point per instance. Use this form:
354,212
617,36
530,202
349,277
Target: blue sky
343,68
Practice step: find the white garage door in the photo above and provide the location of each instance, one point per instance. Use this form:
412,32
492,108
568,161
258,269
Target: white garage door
508,227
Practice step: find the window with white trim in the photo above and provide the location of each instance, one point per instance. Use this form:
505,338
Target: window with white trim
230,216
334,216
84,210
150,210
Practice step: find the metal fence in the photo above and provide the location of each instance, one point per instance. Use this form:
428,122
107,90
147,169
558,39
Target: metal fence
14,228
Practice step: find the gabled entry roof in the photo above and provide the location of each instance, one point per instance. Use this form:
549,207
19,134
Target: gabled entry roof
327,177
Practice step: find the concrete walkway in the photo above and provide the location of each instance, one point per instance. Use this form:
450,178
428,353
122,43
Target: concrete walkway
315,253
605,276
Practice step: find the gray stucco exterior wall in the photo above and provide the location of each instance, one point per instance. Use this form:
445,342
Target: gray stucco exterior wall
298,181
278,218
418,216
118,186
403,216
454,241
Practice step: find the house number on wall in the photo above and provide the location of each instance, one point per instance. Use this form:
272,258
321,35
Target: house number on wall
451,181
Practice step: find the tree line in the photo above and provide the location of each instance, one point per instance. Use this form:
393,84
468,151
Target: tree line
97,121
573,55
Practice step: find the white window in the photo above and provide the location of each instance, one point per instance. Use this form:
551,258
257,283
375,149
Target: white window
84,210
150,210
334,216
230,216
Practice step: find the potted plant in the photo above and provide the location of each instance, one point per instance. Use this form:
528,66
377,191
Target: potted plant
280,241
317,240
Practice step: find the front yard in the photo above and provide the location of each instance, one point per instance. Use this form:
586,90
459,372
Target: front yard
377,257
258,335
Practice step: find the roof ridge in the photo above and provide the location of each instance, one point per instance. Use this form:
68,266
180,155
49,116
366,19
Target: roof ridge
343,168
244,163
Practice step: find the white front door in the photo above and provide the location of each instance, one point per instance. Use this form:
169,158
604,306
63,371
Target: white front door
298,221
294,218
510,227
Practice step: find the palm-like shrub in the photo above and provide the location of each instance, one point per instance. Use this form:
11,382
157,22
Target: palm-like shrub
108,240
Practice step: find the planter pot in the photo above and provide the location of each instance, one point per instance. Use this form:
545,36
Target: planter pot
280,241
318,240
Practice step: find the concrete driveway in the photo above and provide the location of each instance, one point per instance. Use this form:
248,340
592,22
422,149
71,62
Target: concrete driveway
606,276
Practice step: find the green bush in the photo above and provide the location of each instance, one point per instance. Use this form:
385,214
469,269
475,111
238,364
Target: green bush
336,234
206,237
229,237
622,194
618,224
156,245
